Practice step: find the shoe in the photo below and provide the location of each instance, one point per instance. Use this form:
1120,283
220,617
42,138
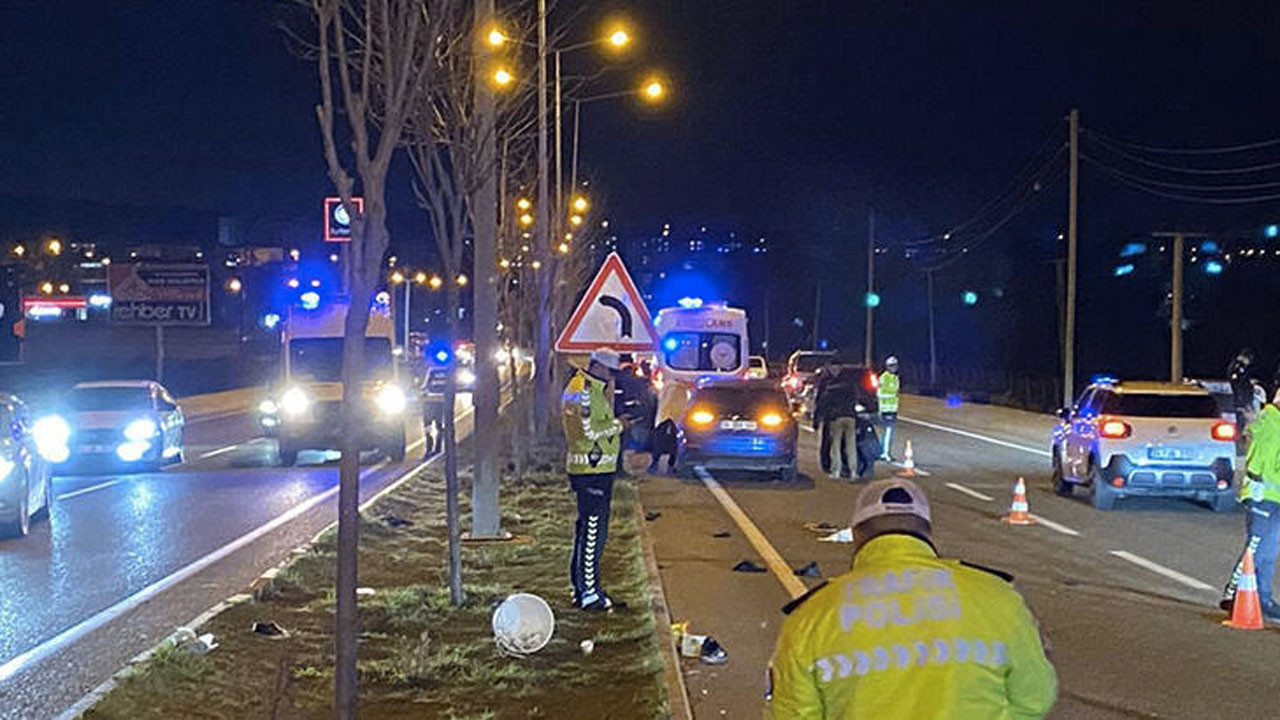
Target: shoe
653,468
834,476
596,602
1227,604
1271,611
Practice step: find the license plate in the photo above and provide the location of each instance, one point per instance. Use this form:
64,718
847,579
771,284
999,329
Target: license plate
94,449
1170,453
738,425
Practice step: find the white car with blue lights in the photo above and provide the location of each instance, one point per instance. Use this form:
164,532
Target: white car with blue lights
1145,439
114,424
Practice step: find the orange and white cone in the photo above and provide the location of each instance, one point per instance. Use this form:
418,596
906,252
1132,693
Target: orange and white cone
1246,611
1019,512
908,463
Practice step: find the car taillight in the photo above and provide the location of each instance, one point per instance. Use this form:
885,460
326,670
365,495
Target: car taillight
873,381
1224,431
1114,429
792,383
702,417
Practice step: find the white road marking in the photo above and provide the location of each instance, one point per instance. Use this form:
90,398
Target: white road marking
768,553
1056,527
1162,570
91,488
74,633
971,493
219,451
807,428
976,436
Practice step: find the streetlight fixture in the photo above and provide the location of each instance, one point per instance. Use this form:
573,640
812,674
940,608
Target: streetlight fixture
619,38
563,248
234,286
502,77
397,277
524,204
496,38
654,90
54,246
435,283
420,277
46,287
580,204
526,219
64,288
575,220
462,280
19,250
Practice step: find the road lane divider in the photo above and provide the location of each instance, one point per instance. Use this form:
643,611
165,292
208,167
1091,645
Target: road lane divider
91,488
767,552
219,451
970,492
977,436
1159,569
1056,527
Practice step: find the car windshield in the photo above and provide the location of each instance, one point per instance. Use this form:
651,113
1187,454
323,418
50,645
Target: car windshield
741,400
1160,405
320,359
92,399
810,362
719,352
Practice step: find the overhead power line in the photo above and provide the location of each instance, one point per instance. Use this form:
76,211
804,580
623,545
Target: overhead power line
1225,150
1110,147
1146,186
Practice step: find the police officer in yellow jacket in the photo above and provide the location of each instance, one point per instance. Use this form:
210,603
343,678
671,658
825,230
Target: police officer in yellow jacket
906,634
593,436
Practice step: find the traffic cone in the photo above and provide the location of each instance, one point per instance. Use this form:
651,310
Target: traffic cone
1019,512
908,463
1246,610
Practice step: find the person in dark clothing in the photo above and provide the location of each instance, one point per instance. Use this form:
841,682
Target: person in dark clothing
1240,374
837,404
820,379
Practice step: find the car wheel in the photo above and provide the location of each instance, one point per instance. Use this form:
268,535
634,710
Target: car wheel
394,449
790,473
46,508
288,455
21,523
1100,492
1225,502
1061,485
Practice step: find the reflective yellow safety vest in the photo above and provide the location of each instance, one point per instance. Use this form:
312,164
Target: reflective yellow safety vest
905,634
592,432
887,393
1262,482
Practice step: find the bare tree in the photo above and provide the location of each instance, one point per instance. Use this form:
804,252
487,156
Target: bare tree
376,52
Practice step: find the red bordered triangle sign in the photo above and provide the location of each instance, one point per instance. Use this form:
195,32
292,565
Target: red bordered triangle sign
611,315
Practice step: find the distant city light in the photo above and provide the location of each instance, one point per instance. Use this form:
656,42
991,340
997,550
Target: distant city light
1133,248
1122,270
295,254
293,282
1272,231
234,285
100,301
873,300
969,297
315,283
333,257
310,300
1209,246
1213,267
270,320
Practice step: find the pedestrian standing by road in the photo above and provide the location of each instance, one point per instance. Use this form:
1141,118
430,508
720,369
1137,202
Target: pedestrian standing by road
593,436
1240,374
905,634
835,412
887,394
1260,493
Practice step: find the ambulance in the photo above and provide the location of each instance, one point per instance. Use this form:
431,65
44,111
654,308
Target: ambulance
697,342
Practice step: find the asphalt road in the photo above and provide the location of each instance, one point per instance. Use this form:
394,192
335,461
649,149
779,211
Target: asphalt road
1127,598
124,559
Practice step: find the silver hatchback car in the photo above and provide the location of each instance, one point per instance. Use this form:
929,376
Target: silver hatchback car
1131,439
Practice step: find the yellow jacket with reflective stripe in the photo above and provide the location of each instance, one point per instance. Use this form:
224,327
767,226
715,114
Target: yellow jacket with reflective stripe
1262,482
906,634
887,392
591,431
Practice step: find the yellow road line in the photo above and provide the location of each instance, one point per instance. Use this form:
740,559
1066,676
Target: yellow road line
772,559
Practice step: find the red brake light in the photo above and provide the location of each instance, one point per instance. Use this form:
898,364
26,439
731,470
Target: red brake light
1114,429
791,383
873,380
1225,431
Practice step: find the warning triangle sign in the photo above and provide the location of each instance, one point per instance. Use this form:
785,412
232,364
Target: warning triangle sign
611,315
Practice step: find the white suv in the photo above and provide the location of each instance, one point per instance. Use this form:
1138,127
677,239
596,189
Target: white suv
1130,439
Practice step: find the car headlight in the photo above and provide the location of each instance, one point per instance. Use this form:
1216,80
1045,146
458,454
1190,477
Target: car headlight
859,408
141,429
391,400
295,401
52,435
771,420
466,378
268,407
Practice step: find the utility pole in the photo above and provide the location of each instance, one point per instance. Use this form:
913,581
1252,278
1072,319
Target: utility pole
933,343
485,515
1175,315
817,314
871,285
1069,329
542,360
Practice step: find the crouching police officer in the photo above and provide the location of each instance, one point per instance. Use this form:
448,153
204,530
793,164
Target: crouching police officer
906,634
593,436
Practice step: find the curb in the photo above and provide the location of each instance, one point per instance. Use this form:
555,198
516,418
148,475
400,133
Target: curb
677,692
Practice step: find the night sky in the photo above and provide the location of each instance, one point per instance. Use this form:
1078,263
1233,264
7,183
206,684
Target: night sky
789,119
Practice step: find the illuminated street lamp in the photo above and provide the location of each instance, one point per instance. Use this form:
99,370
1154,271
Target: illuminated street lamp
54,246
19,250
653,90
436,282
524,204
46,287
420,277
397,277
575,220
234,285
563,248
496,38
526,219
462,281
502,77
64,288
619,38
580,204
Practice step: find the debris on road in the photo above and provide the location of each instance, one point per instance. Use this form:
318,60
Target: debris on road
185,640
821,527
810,570
588,646
396,521
652,515
523,624
840,536
722,534
713,653
269,629
365,592
746,566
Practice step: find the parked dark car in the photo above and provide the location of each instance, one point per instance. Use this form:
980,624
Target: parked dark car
738,425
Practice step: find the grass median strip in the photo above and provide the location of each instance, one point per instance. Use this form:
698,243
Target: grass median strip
419,656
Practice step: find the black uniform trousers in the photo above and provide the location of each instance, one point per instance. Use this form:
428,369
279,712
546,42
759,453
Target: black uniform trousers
595,493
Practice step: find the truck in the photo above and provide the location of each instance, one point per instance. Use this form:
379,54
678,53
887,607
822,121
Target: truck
304,410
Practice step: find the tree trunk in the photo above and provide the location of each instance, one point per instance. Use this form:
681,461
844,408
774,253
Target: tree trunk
452,513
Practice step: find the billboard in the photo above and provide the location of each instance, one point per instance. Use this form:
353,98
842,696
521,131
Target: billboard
337,222
159,293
